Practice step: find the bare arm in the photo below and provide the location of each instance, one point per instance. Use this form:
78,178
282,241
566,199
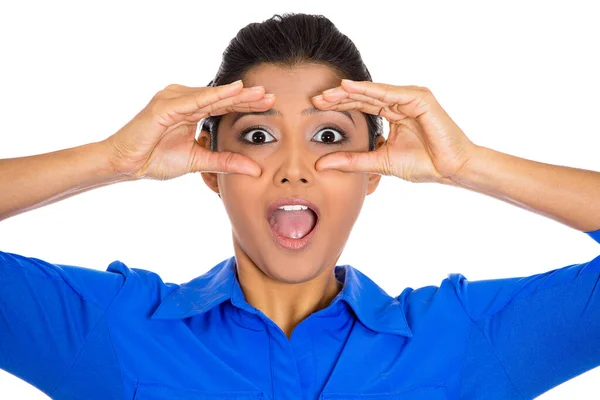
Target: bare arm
30,182
426,145
565,194
158,143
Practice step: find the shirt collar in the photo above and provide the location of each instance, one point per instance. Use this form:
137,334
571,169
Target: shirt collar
376,309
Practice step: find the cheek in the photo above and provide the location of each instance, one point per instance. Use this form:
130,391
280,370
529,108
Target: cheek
240,194
345,182
345,192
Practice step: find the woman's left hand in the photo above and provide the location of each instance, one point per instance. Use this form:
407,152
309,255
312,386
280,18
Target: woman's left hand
423,145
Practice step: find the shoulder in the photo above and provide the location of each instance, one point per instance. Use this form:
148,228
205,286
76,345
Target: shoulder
483,298
99,287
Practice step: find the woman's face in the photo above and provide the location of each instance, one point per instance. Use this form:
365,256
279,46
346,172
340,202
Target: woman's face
289,145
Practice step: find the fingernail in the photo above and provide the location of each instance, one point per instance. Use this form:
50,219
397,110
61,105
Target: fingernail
239,81
269,95
347,80
257,88
319,97
330,90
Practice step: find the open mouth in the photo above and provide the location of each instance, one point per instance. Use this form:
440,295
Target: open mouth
291,224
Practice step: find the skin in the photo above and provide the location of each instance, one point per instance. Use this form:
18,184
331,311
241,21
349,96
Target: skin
287,286
424,145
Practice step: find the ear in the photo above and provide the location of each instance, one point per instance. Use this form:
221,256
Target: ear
210,178
375,178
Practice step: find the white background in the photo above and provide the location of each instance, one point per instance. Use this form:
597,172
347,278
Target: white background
521,78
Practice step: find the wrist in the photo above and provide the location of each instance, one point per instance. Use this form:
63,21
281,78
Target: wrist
108,164
478,171
465,175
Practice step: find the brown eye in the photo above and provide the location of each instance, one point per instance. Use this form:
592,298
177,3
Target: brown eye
256,136
331,135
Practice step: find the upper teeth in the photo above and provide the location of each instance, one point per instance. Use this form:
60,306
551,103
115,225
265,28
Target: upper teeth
293,208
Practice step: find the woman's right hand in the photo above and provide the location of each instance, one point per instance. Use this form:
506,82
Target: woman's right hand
159,142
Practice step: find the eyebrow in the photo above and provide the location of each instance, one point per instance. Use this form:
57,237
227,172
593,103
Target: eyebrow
276,113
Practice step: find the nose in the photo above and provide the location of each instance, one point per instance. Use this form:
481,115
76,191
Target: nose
296,168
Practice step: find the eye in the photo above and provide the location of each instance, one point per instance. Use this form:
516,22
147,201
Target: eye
328,135
255,135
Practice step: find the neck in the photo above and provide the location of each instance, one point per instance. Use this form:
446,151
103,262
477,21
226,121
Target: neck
286,304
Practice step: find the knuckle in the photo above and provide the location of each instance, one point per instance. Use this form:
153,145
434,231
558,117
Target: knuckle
200,97
430,97
159,95
212,109
384,168
351,159
172,86
214,91
386,90
157,106
227,160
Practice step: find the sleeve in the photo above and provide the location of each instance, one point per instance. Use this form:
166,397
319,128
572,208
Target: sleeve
537,331
46,313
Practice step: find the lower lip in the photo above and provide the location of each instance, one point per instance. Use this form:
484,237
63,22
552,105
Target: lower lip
293,244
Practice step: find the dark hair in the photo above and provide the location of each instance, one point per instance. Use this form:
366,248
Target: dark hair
288,40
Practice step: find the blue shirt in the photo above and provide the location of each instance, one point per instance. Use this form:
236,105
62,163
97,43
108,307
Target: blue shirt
78,333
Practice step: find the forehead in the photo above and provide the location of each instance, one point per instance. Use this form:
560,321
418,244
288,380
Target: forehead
302,81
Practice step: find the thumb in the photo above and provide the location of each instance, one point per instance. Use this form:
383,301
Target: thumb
223,162
352,161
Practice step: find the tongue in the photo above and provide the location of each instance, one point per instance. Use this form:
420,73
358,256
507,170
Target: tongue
292,224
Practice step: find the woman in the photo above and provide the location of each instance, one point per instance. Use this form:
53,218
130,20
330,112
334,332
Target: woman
292,152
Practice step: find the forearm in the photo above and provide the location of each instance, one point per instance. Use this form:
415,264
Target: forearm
567,195
30,182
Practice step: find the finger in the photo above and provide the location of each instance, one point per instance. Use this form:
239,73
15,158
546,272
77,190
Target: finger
224,162
356,102
392,115
169,111
349,104
259,105
410,100
366,99
175,90
242,104
172,91
209,101
342,96
383,91
334,94
246,101
349,161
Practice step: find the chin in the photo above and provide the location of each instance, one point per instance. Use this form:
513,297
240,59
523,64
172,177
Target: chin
257,244
293,273
289,268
